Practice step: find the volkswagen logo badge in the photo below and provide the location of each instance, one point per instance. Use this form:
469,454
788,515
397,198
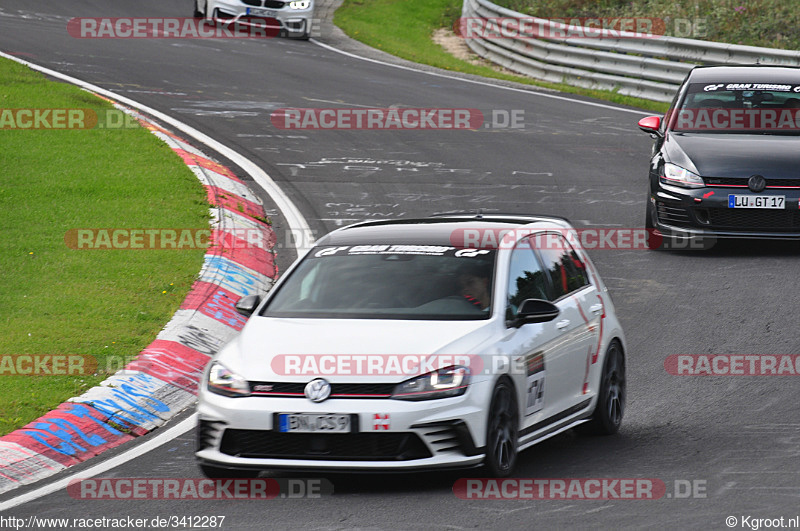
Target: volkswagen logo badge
756,183
318,390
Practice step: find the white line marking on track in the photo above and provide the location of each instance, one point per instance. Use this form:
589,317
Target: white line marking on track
482,83
108,464
344,103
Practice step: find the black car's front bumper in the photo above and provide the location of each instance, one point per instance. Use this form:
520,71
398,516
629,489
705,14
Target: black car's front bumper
703,213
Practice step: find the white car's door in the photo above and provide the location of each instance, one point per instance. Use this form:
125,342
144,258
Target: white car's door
539,352
578,322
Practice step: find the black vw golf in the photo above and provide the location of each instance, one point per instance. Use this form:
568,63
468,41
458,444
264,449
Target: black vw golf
726,159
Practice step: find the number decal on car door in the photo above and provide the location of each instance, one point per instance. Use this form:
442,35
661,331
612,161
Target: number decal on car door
534,365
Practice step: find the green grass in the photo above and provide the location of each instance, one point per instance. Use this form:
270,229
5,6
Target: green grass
109,304
768,23
404,28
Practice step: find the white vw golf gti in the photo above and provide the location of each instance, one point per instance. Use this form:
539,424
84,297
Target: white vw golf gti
450,341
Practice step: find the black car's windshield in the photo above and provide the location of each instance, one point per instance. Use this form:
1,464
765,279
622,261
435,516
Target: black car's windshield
388,282
750,108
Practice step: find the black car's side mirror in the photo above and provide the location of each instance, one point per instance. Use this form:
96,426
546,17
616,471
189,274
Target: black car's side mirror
247,305
535,311
650,124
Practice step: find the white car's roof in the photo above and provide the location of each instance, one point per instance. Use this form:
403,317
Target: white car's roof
438,230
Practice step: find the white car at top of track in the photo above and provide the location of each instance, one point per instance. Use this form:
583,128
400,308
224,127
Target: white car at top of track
450,341
292,16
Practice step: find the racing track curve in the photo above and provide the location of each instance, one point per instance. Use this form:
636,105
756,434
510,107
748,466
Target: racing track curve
588,163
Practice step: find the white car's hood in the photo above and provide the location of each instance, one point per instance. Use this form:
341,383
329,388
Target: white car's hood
261,351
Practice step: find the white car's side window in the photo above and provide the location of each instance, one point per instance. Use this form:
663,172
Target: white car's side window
564,266
526,279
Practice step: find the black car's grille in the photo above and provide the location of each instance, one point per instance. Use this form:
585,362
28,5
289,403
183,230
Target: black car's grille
265,444
754,219
338,390
672,215
742,182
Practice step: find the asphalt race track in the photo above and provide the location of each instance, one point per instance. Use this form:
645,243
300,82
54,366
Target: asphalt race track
738,437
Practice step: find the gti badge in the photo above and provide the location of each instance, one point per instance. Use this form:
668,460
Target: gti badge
318,390
756,183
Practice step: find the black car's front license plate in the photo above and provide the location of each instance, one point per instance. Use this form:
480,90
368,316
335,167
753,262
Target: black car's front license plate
314,423
757,201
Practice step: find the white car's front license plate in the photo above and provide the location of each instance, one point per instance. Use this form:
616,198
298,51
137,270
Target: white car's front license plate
313,423
256,12
756,201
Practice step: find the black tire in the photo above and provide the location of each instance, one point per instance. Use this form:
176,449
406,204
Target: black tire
197,12
502,431
213,472
610,408
655,238
648,220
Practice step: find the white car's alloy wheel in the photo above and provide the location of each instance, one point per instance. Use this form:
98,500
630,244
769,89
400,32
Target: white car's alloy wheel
610,408
501,441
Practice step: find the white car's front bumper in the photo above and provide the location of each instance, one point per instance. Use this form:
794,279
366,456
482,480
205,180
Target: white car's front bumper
294,21
450,432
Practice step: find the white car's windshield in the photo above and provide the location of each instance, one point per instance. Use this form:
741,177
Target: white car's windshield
383,281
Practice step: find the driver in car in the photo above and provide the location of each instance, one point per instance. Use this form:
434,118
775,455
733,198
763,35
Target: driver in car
475,285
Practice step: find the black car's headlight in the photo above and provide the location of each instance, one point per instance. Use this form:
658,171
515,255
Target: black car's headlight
223,381
442,383
677,176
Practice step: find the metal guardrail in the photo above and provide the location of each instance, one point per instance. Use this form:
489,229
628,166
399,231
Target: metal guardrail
650,67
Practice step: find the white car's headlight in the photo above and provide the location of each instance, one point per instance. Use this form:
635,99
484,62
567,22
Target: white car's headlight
300,4
225,382
443,383
678,176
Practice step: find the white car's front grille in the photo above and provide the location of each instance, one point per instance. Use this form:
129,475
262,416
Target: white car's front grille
363,446
338,390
